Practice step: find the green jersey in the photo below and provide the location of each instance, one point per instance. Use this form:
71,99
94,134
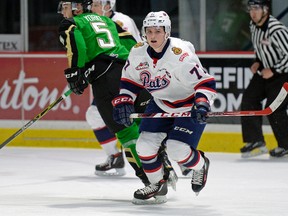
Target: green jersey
88,35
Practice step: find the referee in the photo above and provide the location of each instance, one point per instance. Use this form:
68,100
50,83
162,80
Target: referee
270,69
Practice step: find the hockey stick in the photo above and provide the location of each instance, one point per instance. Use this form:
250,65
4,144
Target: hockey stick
39,116
267,111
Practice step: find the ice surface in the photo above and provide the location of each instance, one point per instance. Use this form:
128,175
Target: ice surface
52,182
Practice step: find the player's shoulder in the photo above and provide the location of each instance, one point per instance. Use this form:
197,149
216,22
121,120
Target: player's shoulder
66,23
179,46
138,49
275,25
120,16
122,19
180,42
139,46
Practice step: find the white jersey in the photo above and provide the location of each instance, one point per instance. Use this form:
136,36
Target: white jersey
173,80
127,24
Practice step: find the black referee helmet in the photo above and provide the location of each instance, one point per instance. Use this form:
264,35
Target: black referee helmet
259,2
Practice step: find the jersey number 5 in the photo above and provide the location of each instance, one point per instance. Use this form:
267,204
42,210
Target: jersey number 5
98,28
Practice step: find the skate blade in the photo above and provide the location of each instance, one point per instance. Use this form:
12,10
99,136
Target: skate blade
255,152
112,172
172,180
152,201
205,178
284,157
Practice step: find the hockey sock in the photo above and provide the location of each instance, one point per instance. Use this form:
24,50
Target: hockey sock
128,138
107,140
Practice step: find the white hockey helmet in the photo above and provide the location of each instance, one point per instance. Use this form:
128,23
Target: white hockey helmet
104,2
157,19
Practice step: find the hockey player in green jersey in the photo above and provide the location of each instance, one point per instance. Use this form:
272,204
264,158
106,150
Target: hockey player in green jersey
96,56
127,32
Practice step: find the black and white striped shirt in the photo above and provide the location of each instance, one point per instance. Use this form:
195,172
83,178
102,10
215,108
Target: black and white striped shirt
270,43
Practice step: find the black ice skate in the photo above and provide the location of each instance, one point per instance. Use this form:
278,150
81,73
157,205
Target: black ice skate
253,149
199,177
114,166
169,171
278,152
151,194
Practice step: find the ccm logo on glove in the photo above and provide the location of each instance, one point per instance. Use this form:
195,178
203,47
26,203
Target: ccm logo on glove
70,75
122,99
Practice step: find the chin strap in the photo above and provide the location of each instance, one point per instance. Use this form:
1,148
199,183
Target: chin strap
265,13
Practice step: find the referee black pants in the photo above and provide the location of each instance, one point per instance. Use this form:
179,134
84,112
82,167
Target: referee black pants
253,96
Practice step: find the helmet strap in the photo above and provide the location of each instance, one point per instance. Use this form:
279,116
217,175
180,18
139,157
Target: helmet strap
264,15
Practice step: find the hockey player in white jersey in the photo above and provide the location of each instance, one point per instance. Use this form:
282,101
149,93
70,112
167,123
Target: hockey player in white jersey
171,71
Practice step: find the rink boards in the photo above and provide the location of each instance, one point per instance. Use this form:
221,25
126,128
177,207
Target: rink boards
32,81
212,140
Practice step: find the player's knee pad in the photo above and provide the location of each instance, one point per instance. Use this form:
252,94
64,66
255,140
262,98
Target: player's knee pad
94,118
177,150
148,143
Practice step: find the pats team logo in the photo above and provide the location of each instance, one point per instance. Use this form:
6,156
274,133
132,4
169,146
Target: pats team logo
139,44
177,51
154,83
142,65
